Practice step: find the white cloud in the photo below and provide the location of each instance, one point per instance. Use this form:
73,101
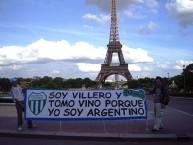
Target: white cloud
135,13
141,10
88,27
99,18
60,58
163,66
136,55
134,67
152,5
43,50
147,29
55,73
105,5
147,69
136,9
181,63
86,67
172,67
181,10
54,54
16,67
177,67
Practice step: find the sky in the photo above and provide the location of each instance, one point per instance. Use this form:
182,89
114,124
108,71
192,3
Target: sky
68,39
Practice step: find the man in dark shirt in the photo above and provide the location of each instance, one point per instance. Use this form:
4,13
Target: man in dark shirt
159,92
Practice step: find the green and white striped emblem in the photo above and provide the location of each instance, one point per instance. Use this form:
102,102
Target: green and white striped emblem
37,102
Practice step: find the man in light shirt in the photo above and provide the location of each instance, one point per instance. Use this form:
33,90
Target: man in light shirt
18,97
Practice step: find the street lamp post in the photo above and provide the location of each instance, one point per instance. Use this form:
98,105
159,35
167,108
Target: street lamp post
184,79
168,75
168,78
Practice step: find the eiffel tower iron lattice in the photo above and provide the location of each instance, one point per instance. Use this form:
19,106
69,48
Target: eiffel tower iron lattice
114,47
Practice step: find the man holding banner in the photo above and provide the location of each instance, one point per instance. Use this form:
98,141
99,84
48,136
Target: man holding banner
18,98
159,90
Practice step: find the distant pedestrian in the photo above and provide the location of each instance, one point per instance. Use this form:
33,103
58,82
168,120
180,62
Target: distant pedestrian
18,97
159,93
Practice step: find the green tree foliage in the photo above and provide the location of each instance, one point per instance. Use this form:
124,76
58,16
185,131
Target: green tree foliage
4,84
133,84
51,85
146,82
88,83
109,84
42,82
71,83
60,83
35,84
189,77
179,80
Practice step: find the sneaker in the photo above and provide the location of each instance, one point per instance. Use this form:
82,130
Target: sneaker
20,128
32,126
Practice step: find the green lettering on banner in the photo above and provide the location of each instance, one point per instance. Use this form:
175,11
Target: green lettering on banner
134,93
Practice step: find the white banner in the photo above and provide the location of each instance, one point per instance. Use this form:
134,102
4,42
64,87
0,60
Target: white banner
87,104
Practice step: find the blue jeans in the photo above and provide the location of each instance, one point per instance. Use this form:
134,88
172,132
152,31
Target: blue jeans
20,111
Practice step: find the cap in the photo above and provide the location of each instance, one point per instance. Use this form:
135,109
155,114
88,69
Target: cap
13,80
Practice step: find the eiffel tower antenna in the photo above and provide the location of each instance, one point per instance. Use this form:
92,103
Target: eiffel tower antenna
114,46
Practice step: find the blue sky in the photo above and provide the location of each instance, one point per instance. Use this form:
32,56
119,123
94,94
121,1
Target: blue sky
64,38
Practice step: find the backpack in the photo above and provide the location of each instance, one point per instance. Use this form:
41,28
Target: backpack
166,98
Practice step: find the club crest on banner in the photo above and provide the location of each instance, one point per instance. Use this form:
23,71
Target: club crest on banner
135,93
37,102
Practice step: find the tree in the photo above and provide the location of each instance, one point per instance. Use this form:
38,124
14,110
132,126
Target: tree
73,83
109,84
59,82
190,67
4,84
51,85
146,82
78,83
35,84
133,84
88,82
189,77
44,81
179,80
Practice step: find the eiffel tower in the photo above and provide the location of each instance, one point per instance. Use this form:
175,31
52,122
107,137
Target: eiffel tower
114,47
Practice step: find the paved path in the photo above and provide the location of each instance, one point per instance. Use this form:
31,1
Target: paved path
177,127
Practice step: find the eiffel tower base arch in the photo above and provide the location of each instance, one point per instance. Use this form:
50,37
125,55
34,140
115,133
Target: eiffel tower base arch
108,70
